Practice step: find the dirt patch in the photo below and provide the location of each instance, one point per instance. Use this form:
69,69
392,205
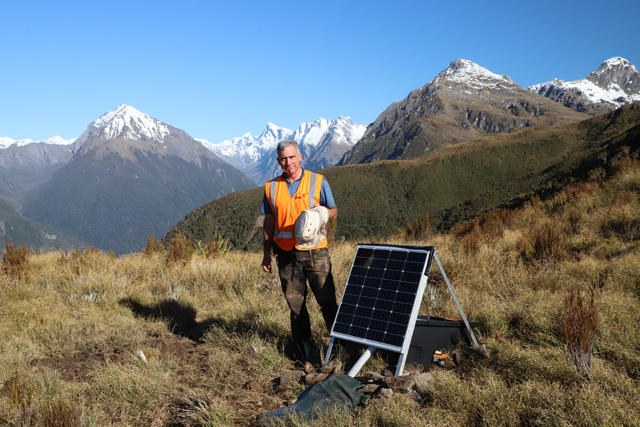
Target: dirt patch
75,368
189,359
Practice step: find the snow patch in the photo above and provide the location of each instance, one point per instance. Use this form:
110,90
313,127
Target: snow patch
125,121
609,92
472,75
6,142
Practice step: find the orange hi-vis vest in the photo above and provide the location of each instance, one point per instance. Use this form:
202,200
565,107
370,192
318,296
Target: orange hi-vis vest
287,209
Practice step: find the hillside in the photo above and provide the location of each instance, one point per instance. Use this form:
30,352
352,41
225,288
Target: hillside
116,203
88,339
24,166
452,184
21,230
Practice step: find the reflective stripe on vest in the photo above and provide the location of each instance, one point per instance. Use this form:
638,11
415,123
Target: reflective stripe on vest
286,208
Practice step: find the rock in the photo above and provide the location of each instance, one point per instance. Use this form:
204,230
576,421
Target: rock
314,378
387,373
403,383
415,396
291,377
327,369
470,354
386,392
412,368
370,377
424,382
308,367
254,385
369,388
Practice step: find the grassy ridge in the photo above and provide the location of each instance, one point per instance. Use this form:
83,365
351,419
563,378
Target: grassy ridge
452,184
72,333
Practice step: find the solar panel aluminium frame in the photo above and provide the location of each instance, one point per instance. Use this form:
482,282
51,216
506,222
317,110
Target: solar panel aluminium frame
417,276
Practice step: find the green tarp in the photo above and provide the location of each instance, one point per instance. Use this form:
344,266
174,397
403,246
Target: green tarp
338,391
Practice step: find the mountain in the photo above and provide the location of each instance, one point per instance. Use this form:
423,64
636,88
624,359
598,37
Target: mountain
615,83
24,164
246,151
464,102
22,230
56,140
452,184
130,176
322,144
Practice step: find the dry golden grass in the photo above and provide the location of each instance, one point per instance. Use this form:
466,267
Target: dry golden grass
15,261
90,339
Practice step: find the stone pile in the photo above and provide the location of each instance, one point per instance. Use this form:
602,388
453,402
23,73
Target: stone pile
414,382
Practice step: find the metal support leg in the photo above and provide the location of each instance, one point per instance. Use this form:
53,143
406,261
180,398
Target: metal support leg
400,366
328,355
455,299
361,361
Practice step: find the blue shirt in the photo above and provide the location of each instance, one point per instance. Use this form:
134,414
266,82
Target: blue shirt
326,197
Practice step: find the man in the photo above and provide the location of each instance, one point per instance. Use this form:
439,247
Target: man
286,198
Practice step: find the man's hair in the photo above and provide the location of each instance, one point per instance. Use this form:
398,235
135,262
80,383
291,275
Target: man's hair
282,145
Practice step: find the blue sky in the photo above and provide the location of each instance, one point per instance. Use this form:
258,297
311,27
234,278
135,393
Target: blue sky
220,69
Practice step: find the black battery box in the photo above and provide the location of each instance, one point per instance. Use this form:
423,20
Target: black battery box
436,334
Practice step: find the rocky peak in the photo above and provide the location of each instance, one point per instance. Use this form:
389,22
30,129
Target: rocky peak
272,135
128,123
471,74
322,143
126,132
615,83
617,72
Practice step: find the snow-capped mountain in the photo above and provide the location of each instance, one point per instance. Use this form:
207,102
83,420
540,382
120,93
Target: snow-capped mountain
322,144
463,102
127,131
615,83
26,163
247,149
472,75
130,175
56,140
129,123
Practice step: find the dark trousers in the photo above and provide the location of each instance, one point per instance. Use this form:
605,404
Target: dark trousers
295,268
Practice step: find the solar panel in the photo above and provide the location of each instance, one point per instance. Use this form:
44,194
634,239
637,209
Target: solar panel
382,295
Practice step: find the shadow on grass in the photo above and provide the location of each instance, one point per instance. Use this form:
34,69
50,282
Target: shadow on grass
181,320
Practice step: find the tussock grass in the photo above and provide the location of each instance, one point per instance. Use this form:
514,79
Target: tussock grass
72,332
15,261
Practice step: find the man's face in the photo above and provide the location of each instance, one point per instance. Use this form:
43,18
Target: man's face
289,160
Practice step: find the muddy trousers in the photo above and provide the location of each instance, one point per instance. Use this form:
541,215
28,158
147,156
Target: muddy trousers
295,268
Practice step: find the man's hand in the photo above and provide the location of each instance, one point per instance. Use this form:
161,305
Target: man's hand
333,213
268,230
266,263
